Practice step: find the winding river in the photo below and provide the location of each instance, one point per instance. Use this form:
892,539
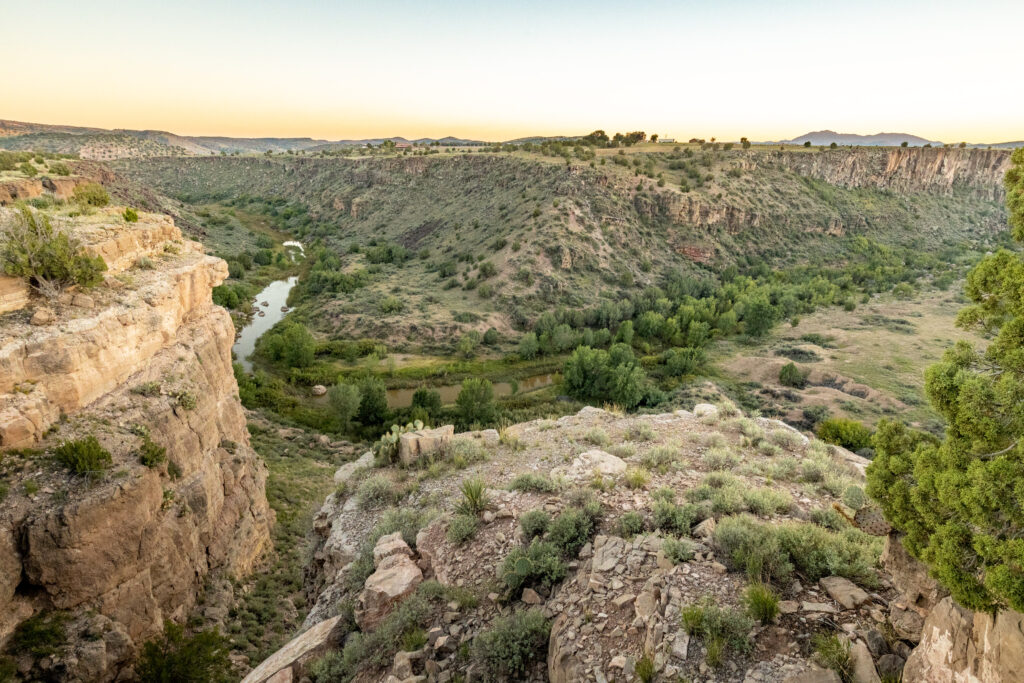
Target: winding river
270,307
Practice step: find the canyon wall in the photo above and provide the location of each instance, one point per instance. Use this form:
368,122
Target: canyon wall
145,357
937,170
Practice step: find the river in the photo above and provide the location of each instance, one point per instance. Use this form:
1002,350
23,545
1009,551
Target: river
275,296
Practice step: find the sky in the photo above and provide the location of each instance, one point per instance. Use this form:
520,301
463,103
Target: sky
767,69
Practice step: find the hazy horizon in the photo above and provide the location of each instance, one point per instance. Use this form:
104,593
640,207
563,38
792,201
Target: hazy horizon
348,71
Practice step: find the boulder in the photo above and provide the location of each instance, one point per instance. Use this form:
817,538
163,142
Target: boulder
702,409
300,649
863,665
414,445
585,465
42,316
345,472
390,545
705,530
319,390
844,591
395,578
890,667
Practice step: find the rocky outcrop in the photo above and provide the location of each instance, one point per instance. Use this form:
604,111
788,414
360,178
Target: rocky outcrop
396,577
14,294
29,188
144,358
937,170
423,443
961,646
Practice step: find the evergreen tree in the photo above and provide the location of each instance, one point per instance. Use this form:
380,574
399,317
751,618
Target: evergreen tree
960,501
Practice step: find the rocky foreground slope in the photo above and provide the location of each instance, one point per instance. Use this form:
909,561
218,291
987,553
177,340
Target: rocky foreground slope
143,364
406,589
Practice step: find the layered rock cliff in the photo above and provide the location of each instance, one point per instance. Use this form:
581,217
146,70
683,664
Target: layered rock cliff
143,359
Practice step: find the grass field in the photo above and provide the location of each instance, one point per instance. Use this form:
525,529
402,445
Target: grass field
878,353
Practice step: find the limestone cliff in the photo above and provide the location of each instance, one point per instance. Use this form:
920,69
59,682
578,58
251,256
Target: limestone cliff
147,354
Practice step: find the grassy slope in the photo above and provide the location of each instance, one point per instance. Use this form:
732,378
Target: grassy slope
582,232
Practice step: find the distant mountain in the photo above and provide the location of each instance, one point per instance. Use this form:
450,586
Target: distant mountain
827,137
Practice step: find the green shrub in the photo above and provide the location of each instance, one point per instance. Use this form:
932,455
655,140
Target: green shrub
771,552
60,168
637,477
660,458
200,658
571,530
786,438
598,437
474,497
762,602
849,434
534,523
28,169
151,454
644,668
39,636
672,518
187,400
641,431
462,528
540,563
677,550
721,459
631,524
535,483
722,629
131,215
91,194
376,649
833,653
48,258
748,546
791,376
765,502
510,647
84,456
376,492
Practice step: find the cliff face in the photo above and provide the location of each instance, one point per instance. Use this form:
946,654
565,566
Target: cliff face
147,353
931,171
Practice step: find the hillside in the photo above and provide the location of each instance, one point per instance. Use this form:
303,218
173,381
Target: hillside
573,235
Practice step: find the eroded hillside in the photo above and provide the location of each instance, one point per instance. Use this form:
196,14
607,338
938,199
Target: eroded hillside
570,234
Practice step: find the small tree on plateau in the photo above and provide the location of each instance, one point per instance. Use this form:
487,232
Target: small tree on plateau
30,247
960,501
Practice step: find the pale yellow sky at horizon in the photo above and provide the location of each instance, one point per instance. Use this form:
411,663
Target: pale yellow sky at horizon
337,70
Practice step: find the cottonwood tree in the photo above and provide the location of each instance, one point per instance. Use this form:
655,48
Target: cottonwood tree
960,500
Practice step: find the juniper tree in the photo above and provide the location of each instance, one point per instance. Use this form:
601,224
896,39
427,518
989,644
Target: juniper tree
960,501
